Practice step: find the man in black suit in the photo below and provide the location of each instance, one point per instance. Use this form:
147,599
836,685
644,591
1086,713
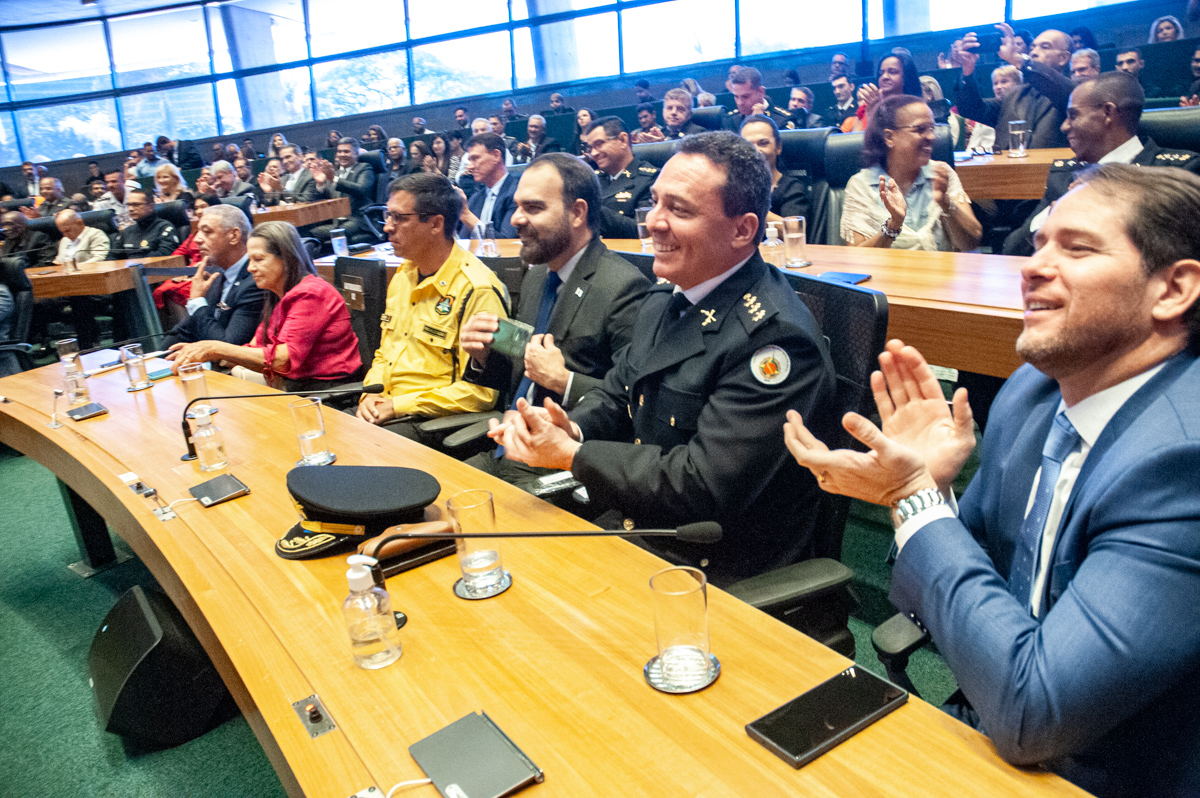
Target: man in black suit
353,179
750,97
686,425
536,142
225,304
496,125
580,299
800,107
28,185
1102,122
148,236
677,115
625,181
296,181
844,105
493,201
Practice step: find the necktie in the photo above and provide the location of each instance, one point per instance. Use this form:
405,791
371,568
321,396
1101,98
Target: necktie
1061,441
545,309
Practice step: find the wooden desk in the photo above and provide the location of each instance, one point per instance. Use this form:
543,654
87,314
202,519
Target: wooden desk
556,660
1001,177
305,213
962,310
127,280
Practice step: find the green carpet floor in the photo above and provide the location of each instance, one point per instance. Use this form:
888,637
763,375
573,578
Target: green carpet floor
50,742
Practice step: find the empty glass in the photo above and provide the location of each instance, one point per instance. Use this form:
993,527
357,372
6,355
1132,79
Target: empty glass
135,367
684,663
310,432
1018,131
795,242
483,574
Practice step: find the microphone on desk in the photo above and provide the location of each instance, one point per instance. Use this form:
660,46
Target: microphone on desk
703,532
344,391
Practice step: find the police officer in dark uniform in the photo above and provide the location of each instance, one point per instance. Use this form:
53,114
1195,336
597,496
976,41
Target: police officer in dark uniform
148,236
751,98
685,426
1102,122
625,181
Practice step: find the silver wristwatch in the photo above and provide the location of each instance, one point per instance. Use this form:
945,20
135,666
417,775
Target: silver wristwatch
909,506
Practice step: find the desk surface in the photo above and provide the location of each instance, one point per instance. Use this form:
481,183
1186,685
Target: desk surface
305,213
962,310
1001,177
556,660
103,277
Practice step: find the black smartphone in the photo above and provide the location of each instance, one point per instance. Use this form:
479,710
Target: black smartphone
219,489
87,411
830,713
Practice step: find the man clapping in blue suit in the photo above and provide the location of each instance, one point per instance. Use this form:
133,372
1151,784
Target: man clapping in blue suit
1063,589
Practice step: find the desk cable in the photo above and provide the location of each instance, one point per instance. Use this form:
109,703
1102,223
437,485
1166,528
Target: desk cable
412,783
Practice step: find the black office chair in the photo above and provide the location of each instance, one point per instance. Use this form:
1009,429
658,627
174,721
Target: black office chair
804,152
517,169
813,595
17,347
655,152
45,225
1177,128
175,212
374,217
710,118
104,220
643,260
242,202
363,284
15,204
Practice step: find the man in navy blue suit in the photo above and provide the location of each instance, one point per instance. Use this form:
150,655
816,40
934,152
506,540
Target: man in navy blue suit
493,200
1062,590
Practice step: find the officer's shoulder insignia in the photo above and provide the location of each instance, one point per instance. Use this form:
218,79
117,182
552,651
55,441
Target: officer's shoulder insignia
623,195
755,310
647,169
770,365
599,173
627,173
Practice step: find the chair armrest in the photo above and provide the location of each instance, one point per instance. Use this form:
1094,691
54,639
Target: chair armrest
898,637
446,424
792,584
16,346
467,435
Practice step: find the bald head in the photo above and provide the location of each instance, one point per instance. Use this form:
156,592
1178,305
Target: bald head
1052,48
69,224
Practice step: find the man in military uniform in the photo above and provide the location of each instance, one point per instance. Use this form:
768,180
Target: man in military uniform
686,425
148,236
420,360
625,181
1101,126
750,96
677,115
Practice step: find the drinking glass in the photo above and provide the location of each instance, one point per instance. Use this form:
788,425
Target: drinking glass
310,431
76,382
1018,130
795,242
66,346
483,574
644,229
684,663
135,367
195,386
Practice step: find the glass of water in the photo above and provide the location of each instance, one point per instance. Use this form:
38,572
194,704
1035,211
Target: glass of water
76,381
795,242
1018,131
483,574
66,347
644,229
684,663
135,367
195,386
486,234
310,431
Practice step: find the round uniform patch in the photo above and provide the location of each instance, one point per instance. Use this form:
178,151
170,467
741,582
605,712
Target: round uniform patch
770,365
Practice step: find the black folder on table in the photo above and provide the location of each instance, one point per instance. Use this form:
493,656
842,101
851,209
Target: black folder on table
473,758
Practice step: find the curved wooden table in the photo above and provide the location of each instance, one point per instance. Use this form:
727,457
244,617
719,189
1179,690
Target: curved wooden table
556,661
1001,177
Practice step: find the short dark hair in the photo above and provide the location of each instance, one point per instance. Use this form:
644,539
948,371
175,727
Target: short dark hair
433,195
146,195
293,147
455,134
353,142
161,140
645,107
1135,50
1159,198
642,83
491,141
883,117
462,108
579,183
1124,92
807,92
747,187
93,163
209,199
766,120
846,78
613,126
745,75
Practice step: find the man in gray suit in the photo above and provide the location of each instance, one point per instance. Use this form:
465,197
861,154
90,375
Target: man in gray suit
225,181
352,179
580,299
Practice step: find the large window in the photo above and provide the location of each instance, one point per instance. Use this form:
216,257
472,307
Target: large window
339,26
69,131
151,48
357,85
71,59
677,33
566,51
462,67
769,26
186,113
429,18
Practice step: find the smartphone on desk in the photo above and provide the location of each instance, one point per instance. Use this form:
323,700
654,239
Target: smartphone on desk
830,713
87,411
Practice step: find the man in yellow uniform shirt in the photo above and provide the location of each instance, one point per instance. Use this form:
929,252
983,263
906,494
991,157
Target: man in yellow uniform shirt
420,360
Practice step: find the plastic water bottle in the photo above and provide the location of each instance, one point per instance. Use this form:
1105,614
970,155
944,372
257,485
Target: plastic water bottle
209,442
374,638
771,248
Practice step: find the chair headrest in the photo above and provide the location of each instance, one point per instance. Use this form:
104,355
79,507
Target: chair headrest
805,149
656,152
843,158
1176,128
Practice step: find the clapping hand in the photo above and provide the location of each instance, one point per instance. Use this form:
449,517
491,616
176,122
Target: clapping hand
540,437
941,182
268,183
868,95
893,200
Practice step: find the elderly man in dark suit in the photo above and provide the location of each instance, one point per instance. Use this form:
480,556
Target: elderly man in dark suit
352,178
536,142
580,299
1061,589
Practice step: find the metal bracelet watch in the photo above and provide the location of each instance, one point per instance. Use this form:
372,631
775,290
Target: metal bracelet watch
909,506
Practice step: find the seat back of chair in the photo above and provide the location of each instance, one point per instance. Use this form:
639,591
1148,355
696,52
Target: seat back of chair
175,212
374,159
643,260
14,204
104,220
655,152
710,118
242,202
363,283
12,274
1175,128
843,159
854,322
44,224
804,151
511,272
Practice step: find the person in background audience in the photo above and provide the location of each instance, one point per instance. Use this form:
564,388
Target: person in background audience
276,145
376,136
706,99
204,180
148,236
248,144
304,340
114,198
625,181
558,105
479,126
1131,62
493,202
536,142
791,78
1165,29
1005,78
217,153
677,115
79,243
789,191
225,182
440,149
311,158
20,240
242,169
691,86
296,180
53,201
149,163
418,126
496,125
352,178
641,91
331,139
1101,126
931,92
901,199
508,110
649,130
462,117
28,185
169,183
131,162
94,174
1082,38
420,158
954,60
171,296
839,66
1024,41
166,150
897,74
96,190
800,105
843,106
583,118
455,139
232,151
750,97
1085,65
393,160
